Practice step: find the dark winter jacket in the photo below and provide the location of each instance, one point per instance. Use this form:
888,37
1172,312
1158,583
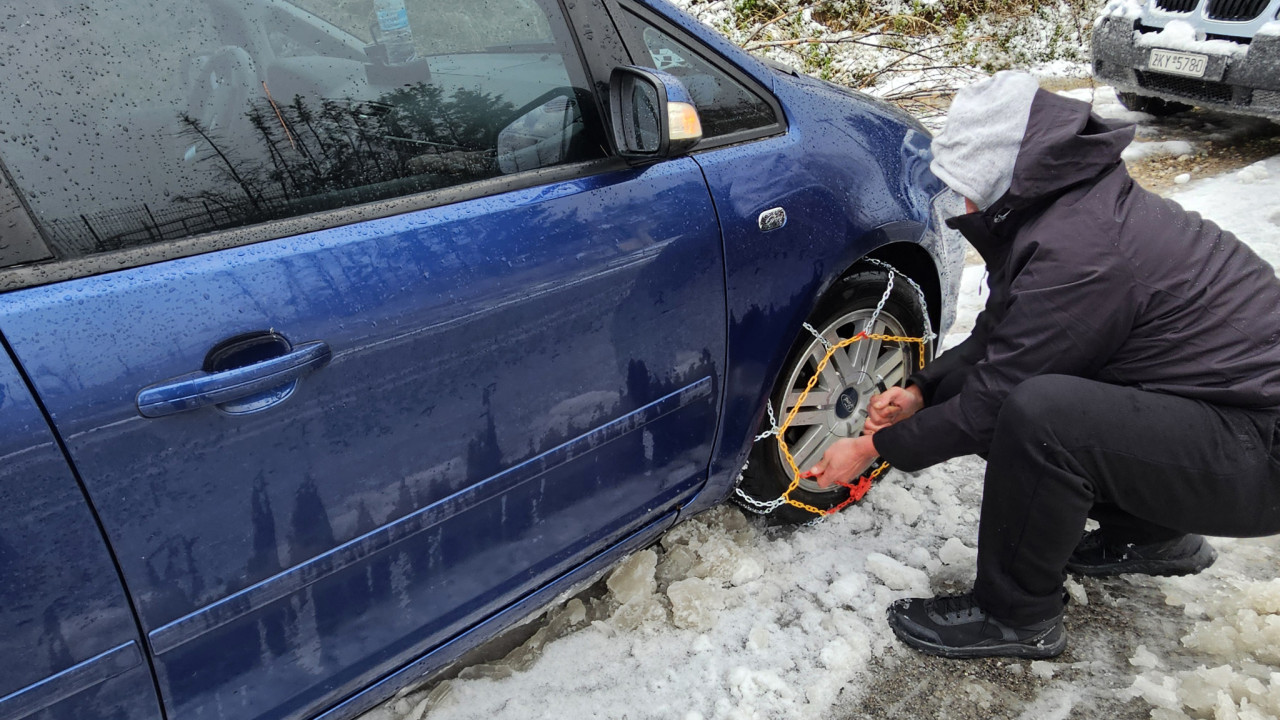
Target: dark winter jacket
1092,276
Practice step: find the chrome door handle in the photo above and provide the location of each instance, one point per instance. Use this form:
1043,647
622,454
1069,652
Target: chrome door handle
202,389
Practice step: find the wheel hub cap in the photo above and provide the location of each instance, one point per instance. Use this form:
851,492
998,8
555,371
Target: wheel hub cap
847,403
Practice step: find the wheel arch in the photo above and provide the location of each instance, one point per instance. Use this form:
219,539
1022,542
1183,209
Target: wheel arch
916,263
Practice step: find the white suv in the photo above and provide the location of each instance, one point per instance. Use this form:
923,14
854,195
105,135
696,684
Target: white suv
1162,55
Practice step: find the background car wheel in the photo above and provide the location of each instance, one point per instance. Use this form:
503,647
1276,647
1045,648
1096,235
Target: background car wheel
836,407
1151,105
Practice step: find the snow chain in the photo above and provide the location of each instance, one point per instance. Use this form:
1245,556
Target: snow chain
857,489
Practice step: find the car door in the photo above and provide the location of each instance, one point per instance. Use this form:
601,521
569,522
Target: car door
69,646
349,354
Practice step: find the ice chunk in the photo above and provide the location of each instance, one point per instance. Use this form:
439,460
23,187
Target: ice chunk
748,569
418,711
895,575
919,557
1144,658
643,610
1043,670
675,564
847,589
758,638
838,656
695,604
634,577
1076,592
1163,694
955,552
845,655
718,558
898,501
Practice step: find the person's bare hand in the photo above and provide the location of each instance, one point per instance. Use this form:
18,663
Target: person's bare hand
892,406
844,461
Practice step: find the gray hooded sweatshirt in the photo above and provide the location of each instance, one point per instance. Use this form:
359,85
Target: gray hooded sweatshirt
1094,277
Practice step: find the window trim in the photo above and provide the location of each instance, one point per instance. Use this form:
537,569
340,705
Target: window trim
712,58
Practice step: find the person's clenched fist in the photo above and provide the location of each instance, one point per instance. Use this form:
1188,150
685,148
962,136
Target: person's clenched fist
892,406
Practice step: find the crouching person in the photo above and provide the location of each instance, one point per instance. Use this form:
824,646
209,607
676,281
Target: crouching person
1126,368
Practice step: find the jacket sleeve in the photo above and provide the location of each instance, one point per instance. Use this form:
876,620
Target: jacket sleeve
958,359
1067,312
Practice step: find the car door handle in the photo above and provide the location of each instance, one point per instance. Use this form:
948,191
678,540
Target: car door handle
202,389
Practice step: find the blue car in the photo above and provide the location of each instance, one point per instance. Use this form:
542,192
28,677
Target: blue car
339,335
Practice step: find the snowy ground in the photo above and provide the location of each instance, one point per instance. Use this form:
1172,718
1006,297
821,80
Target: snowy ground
729,619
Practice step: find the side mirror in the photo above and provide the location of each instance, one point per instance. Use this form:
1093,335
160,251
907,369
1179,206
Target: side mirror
653,115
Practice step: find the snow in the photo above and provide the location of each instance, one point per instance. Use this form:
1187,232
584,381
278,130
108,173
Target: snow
726,618
1244,202
1127,9
1181,35
1160,148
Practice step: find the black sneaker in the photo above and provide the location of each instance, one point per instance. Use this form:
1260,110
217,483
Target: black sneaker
1184,555
955,627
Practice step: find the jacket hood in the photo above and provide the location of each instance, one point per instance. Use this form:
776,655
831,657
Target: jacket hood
1064,144
1007,140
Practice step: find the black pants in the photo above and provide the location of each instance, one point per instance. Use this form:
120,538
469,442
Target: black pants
1147,466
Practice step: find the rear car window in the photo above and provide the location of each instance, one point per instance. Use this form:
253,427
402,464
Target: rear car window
725,105
131,122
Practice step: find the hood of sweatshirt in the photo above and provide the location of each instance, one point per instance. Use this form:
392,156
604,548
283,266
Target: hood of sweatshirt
1007,140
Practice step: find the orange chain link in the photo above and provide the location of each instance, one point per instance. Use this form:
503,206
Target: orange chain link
857,490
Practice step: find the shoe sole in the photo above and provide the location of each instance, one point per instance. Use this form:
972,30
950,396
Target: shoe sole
995,649
1190,565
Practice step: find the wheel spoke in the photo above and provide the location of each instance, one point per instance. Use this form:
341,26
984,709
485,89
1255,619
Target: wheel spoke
829,379
808,450
805,418
866,351
818,398
844,363
891,369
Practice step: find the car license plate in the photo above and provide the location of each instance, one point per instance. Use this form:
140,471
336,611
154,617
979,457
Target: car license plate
1178,63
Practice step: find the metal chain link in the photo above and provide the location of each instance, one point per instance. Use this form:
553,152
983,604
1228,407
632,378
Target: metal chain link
924,305
814,331
858,489
773,426
875,315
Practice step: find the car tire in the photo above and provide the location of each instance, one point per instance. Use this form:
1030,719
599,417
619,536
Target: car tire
840,315
1151,105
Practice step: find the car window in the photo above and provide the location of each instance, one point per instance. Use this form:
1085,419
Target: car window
454,26
725,105
133,122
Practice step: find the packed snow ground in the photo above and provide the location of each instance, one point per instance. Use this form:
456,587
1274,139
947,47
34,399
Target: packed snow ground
727,618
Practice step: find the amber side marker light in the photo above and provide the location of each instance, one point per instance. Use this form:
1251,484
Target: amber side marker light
684,121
